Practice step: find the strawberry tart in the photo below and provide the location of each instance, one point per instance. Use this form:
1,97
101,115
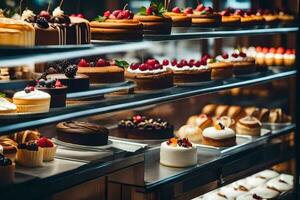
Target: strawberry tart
154,19
219,68
205,17
270,18
189,71
246,20
179,17
150,75
228,19
102,71
116,25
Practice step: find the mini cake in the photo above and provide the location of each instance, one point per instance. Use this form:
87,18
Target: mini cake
141,127
209,109
179,18
7,170
6,106
202,121
31,100
220,70
187,72
192,133
269,57
269,17
153,19
117,25
289,58
219,136
178,153
9,148
278,57
25,136
236,112
230,192
55,89
82,133
263,192
102,71
266,174
285,18
249,126
229,19
205,17
221,110
150,75
259,20
49,148
30,154
67,75
246,20
226,121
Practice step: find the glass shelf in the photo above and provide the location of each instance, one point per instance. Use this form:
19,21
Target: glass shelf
111,103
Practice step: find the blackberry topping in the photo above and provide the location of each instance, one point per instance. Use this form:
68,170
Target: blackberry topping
62,66
5,161
31,146
255,196
71,71
31,19
42,22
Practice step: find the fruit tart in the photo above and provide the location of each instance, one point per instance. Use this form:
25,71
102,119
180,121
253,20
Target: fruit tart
205,17
246,20
154,19
285,17
103,71
289,57
179,17
49,148
219,68
188,71
150,75
116,25
270,18
228,19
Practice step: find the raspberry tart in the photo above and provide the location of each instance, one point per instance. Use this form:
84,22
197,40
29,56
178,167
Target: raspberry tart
153,19
228,19
49,149
219,69
188,71
246,20
144,128
103,71
205,17
179,17
178,153
116,25
150,75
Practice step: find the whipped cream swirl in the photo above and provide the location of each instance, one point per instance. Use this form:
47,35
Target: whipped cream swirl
58,12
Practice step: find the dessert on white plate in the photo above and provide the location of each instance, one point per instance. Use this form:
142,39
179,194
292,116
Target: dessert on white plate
178,153
264,192
231,192
279,185
266,174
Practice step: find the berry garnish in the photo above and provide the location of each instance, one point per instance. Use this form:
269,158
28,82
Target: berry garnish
42,82
5,161
225,13
173,62
184,62
101,63
225,56
165,62
58,84
176,10
280,50
272,50
106,14
45,14
143,67
149,11
71,71
151,62
188,10
83,63
203,62
200,7
197,63
289,51
42,22
206,57
80,15
235,55
44,142
239,12
179,65
265,50
258,49
209,10
157,66
134,66
116,13
137,118
242,54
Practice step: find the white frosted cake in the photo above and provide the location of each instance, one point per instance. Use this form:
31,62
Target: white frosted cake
178,153
266,174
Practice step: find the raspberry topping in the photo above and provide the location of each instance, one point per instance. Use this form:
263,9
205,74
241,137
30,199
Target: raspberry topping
176,10
280,50
101,63
165,62
272,50
45,142
258,49
174,62
83,63
188,10
225,56
200,7
180,142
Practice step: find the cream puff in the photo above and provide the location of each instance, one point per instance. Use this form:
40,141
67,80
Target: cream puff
249,126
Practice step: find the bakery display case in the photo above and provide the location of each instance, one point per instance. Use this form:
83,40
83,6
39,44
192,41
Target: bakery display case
174,101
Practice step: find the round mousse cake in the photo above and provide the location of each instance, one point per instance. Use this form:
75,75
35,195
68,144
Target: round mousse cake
101,71
141,127
219,136
178,153
249,126
82,133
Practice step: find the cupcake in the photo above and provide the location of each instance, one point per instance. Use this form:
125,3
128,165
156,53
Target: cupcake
260,56
49,149
278,57
219,136
9,148
7,170
30,154
289,58
249,126
193,133
269,57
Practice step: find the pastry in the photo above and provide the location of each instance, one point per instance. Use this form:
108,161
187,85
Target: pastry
269,17
144,128
263,115
269,57
192,133
263,192
230,192
278,57
205,17
55,89
178,153
187,72
214,195
285,17
226,121
221,110
230,20
102,71
32,100
67,75
260,56
179,18
220,70
49,148
287,178
117,25
250,182
266,174
235,112
219,136
279,185
150,75
6,106
30,154
9,148
7,170
246,20
289,58
276,115
202,121
209,109
25,136
153,19
82,133
249,126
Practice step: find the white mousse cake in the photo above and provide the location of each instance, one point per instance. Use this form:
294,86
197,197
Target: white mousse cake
193,133
178,153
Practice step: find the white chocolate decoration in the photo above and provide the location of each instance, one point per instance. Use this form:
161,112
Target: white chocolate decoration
6,105
27,14
213,133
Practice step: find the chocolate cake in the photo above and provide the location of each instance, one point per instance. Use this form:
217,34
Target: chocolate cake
82,133
141,127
